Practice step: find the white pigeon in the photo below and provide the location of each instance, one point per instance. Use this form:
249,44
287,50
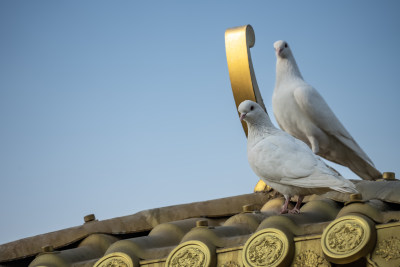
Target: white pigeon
302,112
285,163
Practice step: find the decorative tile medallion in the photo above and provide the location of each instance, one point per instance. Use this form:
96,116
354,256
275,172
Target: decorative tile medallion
348,238
189,256
268,247
116,259
345,237
191,253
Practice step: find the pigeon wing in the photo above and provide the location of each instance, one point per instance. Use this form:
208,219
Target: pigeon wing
281,156
318,111
323,177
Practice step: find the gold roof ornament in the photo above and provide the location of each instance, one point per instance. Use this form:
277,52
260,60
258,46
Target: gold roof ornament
261,186
238,42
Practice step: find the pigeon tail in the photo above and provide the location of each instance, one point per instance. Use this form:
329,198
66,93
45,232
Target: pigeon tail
364,169
345,189
349,158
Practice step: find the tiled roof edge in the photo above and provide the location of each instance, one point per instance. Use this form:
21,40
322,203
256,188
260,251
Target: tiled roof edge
139,222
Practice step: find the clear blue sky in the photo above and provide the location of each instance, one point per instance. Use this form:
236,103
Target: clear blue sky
112,107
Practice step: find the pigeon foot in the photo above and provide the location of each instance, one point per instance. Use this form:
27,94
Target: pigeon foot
294,211
284,211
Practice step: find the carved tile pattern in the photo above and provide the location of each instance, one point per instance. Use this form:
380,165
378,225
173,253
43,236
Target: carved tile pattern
389,249
114,263
345,237
310,259
189,257
265,251
230,264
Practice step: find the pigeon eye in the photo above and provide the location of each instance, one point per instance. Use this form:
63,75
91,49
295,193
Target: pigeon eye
251,107
285,44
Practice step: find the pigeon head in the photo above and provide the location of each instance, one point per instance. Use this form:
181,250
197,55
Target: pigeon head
282,49
251,112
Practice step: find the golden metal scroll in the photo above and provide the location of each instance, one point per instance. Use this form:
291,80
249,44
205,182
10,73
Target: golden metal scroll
238,42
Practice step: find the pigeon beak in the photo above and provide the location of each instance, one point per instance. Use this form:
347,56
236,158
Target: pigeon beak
242,116
279,50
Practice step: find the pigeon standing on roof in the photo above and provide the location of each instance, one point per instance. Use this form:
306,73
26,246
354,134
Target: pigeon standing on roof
285,163
302,112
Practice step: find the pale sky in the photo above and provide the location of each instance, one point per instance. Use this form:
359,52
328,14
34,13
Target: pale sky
113,107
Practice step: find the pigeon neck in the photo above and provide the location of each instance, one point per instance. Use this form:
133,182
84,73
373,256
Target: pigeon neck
257,130
286,68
